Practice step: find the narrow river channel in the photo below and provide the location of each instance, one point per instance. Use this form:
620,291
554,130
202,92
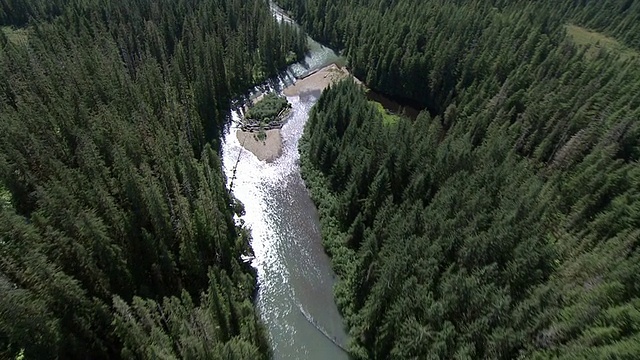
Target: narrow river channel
295,297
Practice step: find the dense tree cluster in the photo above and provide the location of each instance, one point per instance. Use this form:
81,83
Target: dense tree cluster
268,108
505,221
117,235
443,46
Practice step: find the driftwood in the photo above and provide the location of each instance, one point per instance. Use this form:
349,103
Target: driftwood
324,332
252,125
307,74
258,127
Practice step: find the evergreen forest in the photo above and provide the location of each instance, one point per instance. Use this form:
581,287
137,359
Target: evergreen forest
117,236
504,221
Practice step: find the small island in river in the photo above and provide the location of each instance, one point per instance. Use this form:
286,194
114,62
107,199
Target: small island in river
259,131
268,113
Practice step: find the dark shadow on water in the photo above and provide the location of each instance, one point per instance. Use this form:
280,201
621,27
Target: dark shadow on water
408,108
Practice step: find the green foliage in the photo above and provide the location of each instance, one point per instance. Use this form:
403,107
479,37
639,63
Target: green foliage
268,109
5,197
112,186
261,135
223,326
16,36
596,42
20,355
503,222
387,117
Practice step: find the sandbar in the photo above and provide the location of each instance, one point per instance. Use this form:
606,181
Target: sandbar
317,81
270,148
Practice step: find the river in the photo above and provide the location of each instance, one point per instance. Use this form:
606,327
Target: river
295,297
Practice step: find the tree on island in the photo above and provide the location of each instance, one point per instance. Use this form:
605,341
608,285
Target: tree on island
267,113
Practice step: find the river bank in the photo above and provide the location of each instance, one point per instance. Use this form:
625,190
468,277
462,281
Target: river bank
317,81
295,297
269,147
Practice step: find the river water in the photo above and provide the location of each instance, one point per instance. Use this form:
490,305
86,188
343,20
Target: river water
295,297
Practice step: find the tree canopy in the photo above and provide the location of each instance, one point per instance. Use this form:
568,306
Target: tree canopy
504,221
117,236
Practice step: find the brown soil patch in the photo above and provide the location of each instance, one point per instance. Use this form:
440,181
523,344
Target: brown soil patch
268,149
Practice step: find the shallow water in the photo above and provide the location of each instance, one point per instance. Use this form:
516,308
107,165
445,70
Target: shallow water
295,296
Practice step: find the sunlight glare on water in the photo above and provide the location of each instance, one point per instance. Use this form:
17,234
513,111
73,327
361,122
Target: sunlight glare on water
295,296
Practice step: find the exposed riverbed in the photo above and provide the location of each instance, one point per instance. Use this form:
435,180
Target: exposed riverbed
295,297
